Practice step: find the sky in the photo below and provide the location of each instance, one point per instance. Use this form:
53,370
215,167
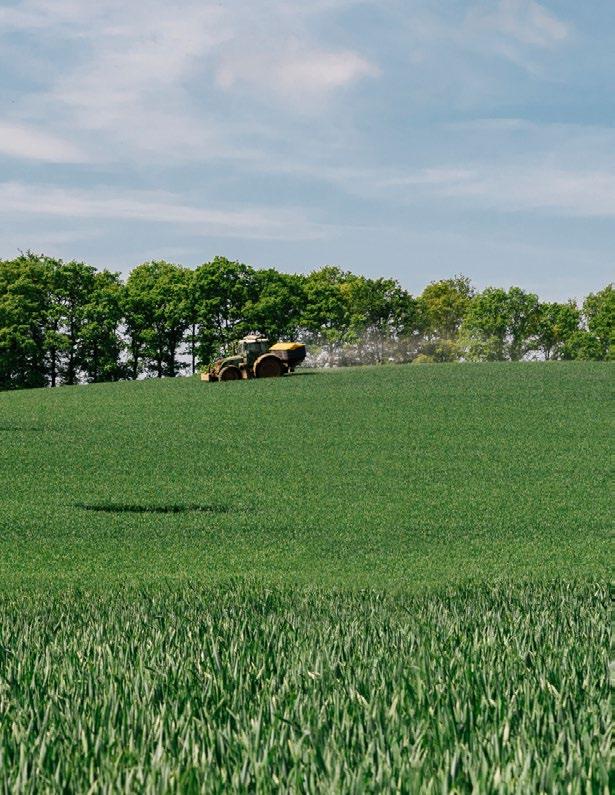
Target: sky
414,139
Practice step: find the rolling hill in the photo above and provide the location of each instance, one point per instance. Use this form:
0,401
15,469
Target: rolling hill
395,476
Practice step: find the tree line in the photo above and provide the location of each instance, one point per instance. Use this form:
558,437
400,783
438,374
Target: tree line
67,322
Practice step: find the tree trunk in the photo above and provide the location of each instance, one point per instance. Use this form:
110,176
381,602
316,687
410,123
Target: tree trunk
95,363
70,375
193,348
172,361
54,353
135,361
53,367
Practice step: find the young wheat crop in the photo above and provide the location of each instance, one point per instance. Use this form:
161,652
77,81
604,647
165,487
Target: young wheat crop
253,689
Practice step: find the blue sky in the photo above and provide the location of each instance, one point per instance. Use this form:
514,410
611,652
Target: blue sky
410,139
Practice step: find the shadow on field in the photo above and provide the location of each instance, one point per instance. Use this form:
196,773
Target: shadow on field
115,508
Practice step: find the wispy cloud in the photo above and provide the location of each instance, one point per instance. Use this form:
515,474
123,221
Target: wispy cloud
170,123
523,187
198,81
148,75
525,21
156,207
294,71
582,194
430,177
25,141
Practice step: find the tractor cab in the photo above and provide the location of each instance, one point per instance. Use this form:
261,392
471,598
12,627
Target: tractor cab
251,347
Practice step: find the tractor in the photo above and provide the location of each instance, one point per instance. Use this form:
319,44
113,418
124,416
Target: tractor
256,358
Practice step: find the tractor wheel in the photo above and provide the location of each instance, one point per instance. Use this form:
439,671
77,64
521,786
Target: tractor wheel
230,373
267,366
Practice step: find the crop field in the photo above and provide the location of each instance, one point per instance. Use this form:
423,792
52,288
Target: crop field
249,688
373,579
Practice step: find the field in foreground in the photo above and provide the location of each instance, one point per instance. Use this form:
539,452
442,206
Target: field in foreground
243,688
368,580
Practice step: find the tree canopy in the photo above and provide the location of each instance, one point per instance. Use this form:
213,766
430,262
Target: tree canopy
67,322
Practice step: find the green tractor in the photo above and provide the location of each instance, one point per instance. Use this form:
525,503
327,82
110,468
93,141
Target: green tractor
256,358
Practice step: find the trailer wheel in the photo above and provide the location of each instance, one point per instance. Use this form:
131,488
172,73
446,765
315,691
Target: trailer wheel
230,373
268,366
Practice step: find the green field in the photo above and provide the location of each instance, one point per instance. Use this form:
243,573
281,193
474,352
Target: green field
361,580
383,477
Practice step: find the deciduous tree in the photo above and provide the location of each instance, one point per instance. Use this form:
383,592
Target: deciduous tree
24,316
101,342
220,293
499,324
156,307
275,303
599,312
443,306
555,325
72,286
325,318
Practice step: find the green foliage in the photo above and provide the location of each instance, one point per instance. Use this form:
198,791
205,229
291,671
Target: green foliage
499,324
243,688
275,303
584,346
101,344
443,305
157,311
59,322
478,346
556,325
72,288
25,309
379,310
65,323
439,350
220,290
353,319
599,311
326,316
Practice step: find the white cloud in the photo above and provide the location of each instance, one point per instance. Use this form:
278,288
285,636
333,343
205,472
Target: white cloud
200,80
294,70
493,125
155,207
39,15
145,75
525,21
25,141
131,83
429,176
589,194
522,188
